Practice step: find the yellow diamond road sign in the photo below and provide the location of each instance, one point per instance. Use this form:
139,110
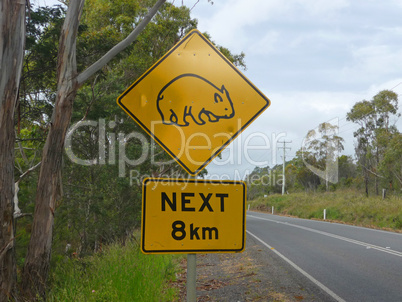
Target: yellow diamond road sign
193,102
193,216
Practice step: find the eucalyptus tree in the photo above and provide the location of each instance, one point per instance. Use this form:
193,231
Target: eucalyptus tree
323,146
391,164
375,120
12,39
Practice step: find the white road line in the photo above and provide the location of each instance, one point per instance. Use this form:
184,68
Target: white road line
367,245
304,273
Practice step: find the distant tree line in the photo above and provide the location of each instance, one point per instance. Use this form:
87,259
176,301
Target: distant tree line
318,165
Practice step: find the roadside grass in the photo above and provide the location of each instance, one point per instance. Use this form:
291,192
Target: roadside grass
344,206
119,273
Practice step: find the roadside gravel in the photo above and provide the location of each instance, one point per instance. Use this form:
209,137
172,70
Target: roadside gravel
257,274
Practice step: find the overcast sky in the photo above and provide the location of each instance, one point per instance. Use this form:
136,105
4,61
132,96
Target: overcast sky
313,59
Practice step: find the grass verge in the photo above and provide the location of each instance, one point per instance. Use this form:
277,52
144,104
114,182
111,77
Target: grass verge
344,206
117,274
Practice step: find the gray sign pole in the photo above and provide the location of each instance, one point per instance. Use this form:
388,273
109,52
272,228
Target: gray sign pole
192,274
191,277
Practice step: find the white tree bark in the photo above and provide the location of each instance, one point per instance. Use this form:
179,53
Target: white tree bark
17,210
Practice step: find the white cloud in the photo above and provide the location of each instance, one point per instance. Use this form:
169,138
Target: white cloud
394,85
393,31
322,7
266,44
373,62
398,2
321,39
228,24
235,23
46,2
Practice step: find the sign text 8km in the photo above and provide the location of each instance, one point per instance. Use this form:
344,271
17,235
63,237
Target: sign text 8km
182,216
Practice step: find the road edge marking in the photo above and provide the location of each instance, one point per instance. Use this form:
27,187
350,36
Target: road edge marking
300,270
350,240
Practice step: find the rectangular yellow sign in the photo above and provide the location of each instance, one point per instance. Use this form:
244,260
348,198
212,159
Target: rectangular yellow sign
193,216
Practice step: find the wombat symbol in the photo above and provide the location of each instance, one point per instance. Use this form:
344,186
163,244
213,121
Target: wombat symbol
190,95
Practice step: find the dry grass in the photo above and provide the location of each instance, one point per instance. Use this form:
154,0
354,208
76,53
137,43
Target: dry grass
346,206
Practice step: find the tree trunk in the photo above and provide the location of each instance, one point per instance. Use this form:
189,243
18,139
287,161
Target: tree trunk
366,183
377,164
12,38
36,268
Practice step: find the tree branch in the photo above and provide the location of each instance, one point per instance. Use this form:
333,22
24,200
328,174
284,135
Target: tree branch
86,74
77,124
17,211
28,171
400,180
8,246
23,155
193,5
20,215
375,174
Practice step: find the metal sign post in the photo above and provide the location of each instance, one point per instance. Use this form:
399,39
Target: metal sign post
191,285
191,277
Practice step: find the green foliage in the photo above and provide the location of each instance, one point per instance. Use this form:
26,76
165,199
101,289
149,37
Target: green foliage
107,22
263,181
119,273
374,134
305,179
347,169
324,143
43,30
391,165
322,146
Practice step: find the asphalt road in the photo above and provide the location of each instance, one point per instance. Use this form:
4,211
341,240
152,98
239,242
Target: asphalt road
349,263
